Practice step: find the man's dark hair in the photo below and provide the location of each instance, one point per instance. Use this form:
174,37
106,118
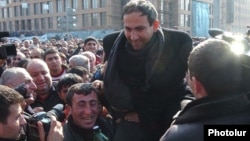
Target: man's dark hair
67,80
8,97
90,38
80,89
214,64
50,51
79,70
144,6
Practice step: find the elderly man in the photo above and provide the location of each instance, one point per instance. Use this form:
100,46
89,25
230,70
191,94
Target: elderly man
79,60
24,85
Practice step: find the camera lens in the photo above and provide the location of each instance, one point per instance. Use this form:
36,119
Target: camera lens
57,111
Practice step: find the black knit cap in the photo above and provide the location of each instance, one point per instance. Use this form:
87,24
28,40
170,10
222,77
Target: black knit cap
90,38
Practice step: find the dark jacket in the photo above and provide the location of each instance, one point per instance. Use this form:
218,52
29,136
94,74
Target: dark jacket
72,132
48,103
153,77
219,110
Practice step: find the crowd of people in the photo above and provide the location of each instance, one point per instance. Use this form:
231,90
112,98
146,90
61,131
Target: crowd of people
142,83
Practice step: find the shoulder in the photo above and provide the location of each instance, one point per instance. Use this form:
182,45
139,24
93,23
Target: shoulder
180,41
176,33
69,134
187,132
109,40
106,125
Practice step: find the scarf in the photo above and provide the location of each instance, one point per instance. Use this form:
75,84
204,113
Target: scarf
116,92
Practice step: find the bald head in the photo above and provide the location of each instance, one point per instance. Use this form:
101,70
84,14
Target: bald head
39,71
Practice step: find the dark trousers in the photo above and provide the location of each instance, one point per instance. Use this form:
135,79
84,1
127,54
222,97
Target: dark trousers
131,131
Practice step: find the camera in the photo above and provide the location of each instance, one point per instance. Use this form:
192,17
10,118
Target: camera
22,90
44,117
6,49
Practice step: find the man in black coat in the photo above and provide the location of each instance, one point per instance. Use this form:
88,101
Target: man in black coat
143,81
218,79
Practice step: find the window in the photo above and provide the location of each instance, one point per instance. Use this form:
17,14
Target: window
37,9
182,4
94,19
45,7
10,26
85,4
187,4
2,13
43,23
25,10
74,4
94,4
5,15
9,12
50,7
23,25
102,3
4,25
37,24
85,19
17,25
103,18
59,5
50,23
16,13
29,27
182,22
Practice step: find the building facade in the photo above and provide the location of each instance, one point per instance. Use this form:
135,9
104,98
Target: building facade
48,16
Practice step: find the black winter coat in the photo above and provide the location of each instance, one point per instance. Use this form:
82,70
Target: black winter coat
219,110
157,102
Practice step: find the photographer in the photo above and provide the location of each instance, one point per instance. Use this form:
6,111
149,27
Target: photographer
12,121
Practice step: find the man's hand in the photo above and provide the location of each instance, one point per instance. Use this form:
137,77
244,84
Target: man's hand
37,109
132,116
55,132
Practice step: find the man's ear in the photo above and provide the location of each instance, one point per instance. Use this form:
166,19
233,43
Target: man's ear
156,25
198,88
69,108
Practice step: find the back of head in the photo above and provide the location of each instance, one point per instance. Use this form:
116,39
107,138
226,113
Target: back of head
79,60
245,63
8,97
214,64
37,53
10,75
67,80
144,6
79,70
